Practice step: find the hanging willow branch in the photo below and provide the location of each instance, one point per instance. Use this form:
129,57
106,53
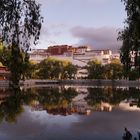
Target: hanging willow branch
20,22
20,25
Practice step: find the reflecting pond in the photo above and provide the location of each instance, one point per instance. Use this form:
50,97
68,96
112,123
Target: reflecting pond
69,112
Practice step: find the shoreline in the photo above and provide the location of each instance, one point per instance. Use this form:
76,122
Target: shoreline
98,82
75,82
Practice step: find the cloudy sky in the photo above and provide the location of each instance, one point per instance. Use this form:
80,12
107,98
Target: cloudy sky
81,22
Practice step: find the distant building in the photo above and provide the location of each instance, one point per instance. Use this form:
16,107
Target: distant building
104,56
38,55
115,56
82,49
4,73
78,56
135,59
106,107
59,49
78,63
82,73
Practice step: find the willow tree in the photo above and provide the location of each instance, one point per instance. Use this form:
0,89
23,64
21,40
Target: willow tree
131,36
20,23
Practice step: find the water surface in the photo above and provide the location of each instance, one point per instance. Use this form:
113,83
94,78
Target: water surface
69,113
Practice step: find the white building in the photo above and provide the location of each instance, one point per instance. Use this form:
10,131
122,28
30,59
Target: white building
79,57
70,59
38,55
104,56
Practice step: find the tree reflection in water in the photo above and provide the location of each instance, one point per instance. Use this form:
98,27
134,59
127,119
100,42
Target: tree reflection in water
63,101
11,105
113,96
54,100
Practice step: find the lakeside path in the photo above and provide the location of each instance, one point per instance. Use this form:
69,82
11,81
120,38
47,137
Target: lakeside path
75,82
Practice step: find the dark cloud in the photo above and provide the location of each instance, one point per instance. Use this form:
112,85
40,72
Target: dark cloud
97,38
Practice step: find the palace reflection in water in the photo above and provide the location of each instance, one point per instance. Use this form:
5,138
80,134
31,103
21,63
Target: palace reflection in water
69,112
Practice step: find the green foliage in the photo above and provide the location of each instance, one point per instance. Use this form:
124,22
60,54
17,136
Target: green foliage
113,71
14,64
31,70
25,68
1,47
20,22
130,36
51,68
133,74
5,56
69,71
95,70
110,71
